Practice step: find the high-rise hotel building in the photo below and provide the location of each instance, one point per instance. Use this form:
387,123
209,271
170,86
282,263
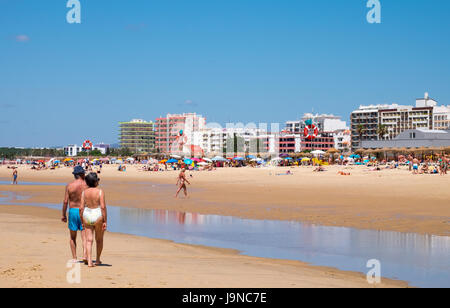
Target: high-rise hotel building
365,121
175,132
137,135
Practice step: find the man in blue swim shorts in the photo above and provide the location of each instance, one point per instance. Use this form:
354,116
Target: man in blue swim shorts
72,199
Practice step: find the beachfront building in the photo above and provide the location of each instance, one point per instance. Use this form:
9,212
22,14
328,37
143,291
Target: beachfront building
324,122
441,118
289,143
177,133
102,147
413,138
329,125
342,140
137,135
380,122
219,141
74,150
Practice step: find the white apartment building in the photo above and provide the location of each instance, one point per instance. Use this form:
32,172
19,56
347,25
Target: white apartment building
342,140
426,114
213,141
73,149
324,122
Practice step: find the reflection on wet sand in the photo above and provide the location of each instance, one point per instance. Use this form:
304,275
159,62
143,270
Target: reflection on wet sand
422,260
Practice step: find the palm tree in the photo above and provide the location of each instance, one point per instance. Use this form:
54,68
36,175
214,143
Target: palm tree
382,131
360,130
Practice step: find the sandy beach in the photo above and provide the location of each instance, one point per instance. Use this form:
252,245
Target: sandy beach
386,200
37,255
393,200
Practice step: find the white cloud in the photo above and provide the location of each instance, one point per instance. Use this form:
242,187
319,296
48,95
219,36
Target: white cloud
22,38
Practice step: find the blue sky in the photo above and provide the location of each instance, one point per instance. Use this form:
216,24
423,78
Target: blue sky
231,60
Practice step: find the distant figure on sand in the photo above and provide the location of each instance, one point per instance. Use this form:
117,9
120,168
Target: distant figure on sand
73,198
15,174
93,211
415,166
181,183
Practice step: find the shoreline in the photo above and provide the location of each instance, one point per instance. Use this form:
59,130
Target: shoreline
319,276
391,200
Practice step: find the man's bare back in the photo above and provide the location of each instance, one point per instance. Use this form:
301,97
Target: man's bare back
74,191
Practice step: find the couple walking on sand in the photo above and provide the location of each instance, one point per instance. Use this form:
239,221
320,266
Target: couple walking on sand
87,213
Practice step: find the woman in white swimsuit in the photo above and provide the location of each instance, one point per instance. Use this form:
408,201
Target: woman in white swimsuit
94,218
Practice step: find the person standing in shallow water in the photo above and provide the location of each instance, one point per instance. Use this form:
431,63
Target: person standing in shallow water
94,217
15,175
72,198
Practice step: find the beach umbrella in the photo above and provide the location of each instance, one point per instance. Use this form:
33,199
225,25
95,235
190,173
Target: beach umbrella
318,152
144,161
251,156
219,158
172,161
163,161
238,158
202,164
207,160
305,159
176,156
288,158
188,161
197,160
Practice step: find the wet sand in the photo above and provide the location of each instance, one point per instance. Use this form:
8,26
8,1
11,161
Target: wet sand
387,200
391,200
38,251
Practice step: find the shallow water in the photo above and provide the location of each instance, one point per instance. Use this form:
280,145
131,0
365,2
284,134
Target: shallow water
422,260
32,183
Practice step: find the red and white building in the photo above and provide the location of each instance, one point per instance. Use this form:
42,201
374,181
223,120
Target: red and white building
174,133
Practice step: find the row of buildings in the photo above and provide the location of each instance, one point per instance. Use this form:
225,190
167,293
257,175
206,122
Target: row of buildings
370,127
190,134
